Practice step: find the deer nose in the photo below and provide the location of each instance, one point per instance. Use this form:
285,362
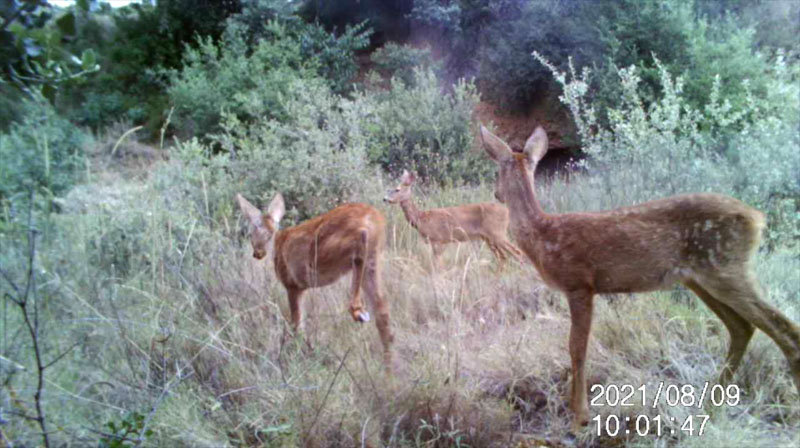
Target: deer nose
258,254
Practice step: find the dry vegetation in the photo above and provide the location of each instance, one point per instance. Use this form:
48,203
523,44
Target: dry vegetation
194,338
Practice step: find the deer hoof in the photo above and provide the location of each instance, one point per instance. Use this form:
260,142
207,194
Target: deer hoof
362,316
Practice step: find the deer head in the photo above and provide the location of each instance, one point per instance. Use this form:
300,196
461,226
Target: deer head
515,169
403,191
263,226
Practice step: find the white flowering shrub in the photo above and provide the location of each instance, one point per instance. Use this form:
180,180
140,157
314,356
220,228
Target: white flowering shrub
668,147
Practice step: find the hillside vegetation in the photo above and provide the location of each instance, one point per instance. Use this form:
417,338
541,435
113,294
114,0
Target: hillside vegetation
134,314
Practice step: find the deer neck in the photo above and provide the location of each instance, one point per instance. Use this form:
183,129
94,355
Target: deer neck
412,213
524,209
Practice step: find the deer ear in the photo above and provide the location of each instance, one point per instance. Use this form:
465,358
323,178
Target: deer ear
249,210
497,149
536,146
276,208
407,178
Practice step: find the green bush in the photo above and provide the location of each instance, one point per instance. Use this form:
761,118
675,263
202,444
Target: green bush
315,156
508,76
138,41
636,33
249,79
332,141
230,77
400,60
419,127
333,52
42,151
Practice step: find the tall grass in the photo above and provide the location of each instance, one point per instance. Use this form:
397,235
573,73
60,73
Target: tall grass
180,325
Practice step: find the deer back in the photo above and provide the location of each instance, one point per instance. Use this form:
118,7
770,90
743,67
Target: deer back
464,222
319,251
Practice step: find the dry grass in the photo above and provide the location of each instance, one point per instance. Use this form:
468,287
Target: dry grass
194,336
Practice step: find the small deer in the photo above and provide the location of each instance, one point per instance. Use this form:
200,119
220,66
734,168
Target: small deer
487,221
319,251
705,241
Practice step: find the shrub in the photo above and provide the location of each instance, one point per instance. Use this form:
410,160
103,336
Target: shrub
334,53
636,33
140,41
315,156
508,76
42,151
418,127
231,77
400,60
248,79
750,151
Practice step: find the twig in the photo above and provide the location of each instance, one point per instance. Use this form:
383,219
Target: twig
23,299
236,391
63,354
10,282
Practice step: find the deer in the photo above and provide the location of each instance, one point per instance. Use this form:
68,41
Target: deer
319,251
485,221
704,241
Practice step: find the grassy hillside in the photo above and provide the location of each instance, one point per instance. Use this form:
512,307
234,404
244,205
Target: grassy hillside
184,334
133,313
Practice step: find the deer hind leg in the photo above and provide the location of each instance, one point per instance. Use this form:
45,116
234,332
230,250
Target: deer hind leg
740,330
580,310
739,291
497,251
513,251
357,310
372,289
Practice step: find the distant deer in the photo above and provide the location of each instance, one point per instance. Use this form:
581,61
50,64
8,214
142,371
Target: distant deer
704,241
319,251
487,221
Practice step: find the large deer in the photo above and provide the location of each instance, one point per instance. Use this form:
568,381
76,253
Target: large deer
486,221
704,241
319,251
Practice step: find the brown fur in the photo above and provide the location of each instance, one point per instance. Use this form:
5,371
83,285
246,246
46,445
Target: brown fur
321,250
486,221
704,241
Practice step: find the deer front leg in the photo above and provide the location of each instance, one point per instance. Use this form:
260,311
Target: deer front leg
580,310
357,309
372,288
295,295
436,250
